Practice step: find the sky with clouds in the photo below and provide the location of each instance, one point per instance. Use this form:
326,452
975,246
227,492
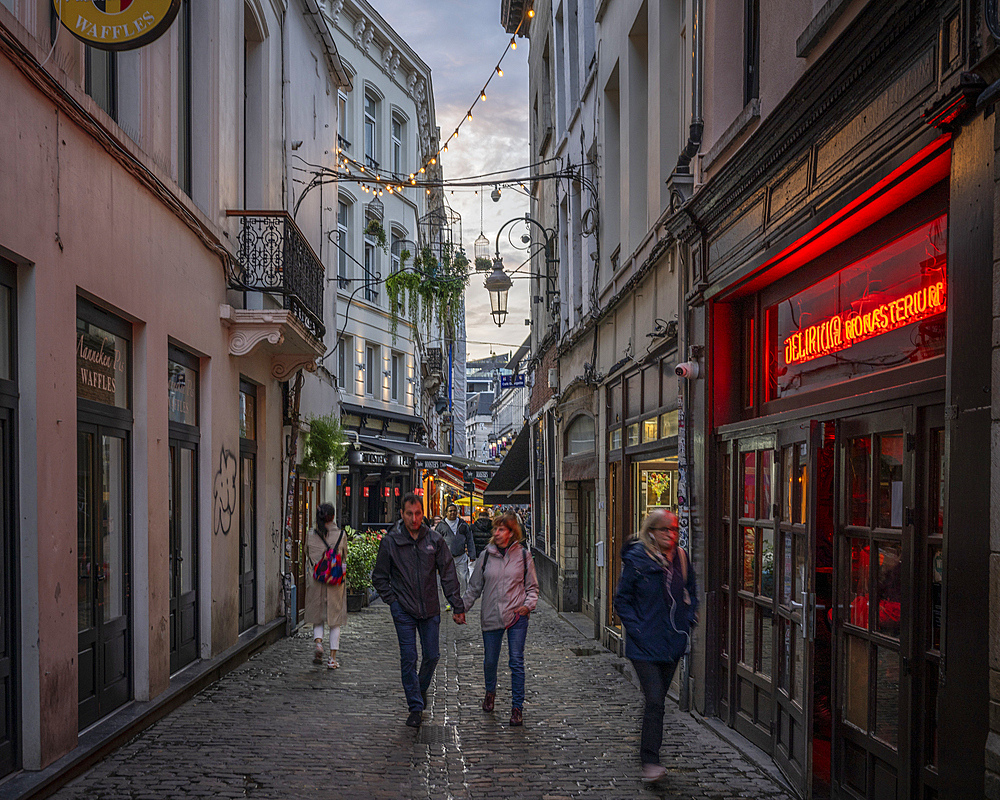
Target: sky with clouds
462,41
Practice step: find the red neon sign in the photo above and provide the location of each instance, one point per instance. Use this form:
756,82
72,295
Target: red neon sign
844,330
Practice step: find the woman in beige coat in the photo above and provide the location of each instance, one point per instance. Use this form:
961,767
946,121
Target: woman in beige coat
325,604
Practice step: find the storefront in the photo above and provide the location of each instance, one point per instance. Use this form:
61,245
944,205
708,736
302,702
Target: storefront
828,489
641,417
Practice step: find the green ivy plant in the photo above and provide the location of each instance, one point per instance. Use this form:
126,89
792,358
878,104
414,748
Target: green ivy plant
433,289
325,446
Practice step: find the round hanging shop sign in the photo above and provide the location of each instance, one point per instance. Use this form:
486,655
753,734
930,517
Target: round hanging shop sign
116,24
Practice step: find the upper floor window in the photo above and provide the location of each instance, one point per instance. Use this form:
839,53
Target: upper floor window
371,271
345,364
184,97
398,162
751,50
343,267
373,371
101,79
396,376
371,131
342,139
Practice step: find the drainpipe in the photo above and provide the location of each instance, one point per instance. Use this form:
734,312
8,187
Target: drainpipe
684,168
697,127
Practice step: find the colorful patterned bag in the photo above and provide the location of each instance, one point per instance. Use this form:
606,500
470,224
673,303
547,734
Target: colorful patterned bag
330,568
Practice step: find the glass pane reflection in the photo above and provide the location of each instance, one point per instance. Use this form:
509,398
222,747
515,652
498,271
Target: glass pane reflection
890,481
887,697
856,680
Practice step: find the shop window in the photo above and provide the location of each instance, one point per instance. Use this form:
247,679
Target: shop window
633,434
633,395
343,265
669,423
616,439
885,310
650,430
580,436
656,485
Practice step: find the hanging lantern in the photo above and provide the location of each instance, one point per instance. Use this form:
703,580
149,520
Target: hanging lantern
498,284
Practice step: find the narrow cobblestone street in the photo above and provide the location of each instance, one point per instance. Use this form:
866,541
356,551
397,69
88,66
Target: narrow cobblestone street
279,727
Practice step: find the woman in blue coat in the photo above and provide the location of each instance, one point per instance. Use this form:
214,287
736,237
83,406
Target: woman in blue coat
657,602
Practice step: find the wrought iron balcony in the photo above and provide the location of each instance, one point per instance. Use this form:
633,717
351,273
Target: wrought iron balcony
274,257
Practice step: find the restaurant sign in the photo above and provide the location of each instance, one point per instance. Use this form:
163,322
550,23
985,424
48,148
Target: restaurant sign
887,309
117,24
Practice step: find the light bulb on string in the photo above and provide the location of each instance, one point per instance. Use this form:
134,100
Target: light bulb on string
470,117
482,96
434,161
513,44
499,71
421,170
531,13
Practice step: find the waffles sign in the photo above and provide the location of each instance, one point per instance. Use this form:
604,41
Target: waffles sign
117,24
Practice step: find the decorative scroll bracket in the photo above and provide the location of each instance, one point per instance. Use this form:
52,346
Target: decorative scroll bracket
280,332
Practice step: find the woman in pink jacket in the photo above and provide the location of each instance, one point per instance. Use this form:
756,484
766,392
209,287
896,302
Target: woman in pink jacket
505,577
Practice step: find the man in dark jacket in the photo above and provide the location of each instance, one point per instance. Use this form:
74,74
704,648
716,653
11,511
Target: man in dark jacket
482,530
408,557
458,536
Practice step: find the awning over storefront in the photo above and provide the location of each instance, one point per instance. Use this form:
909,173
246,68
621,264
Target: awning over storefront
409,453
510,483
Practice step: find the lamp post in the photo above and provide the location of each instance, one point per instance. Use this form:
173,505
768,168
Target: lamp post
498,283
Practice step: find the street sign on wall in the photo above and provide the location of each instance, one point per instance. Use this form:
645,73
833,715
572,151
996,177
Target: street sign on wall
511,381
116,24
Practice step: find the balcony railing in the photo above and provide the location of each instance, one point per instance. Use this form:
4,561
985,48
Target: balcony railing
274,257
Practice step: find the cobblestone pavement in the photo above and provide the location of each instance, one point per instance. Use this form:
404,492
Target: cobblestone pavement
279,727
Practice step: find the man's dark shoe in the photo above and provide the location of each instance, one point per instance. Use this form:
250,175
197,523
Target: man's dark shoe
515,717
488,701
414,720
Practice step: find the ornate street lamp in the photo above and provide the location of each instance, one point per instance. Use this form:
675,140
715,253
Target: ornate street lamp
498,284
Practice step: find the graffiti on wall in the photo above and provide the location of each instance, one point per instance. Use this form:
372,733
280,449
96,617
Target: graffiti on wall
224,493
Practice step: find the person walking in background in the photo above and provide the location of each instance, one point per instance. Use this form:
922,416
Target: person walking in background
409,557
657,603
505,577
458,535
482,530
326,604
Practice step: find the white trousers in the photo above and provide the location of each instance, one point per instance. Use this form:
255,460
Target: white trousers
334,635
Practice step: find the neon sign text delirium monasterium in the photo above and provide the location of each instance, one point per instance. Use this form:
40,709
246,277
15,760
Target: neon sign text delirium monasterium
850,327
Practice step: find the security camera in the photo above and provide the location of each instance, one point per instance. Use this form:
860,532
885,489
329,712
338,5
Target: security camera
688,369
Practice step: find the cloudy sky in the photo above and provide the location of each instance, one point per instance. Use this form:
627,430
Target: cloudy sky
462,41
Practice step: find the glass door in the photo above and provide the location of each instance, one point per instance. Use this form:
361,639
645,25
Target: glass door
103,523
183,518
792,562
8,607
588,535
874,606
248,539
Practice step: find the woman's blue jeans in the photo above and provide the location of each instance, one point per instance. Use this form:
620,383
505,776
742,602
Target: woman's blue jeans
492,640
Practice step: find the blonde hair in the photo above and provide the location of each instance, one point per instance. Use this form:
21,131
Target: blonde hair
645,534
512,523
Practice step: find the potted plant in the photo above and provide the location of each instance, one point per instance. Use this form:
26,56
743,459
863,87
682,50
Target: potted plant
362,548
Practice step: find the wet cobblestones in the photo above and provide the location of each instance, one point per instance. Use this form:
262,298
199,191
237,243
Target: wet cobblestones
280,727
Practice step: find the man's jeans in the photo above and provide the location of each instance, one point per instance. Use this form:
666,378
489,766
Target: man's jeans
407,628
654,678
492,640
462,568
